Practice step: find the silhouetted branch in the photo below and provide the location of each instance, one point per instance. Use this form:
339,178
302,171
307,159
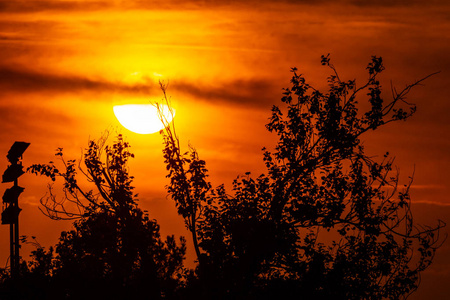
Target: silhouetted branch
187,175
106,176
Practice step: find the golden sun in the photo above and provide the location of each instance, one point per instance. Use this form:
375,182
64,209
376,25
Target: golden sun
142,118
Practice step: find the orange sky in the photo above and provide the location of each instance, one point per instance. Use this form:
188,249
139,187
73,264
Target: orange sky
64,64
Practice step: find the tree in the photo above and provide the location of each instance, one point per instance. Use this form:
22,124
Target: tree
115,249
326,221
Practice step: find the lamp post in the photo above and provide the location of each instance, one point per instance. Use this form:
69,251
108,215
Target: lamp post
11,210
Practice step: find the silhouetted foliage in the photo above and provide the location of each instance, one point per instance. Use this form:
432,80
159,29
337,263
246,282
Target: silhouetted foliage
326,221
114,251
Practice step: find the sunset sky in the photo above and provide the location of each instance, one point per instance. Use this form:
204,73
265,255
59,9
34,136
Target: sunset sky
65,64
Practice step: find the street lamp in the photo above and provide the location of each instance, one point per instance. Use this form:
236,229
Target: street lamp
11,210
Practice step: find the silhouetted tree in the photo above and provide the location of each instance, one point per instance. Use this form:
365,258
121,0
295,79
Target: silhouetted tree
326,221
115,250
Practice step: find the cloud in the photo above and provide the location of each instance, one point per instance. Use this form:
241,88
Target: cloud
428,186
245,92
430,202
392,3
25,6
10,38
30,81
258,3
31,6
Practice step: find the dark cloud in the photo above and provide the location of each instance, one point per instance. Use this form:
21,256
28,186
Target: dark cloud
12,31
259,3
245,92
28,25
10,38
25,6
255,92
389,3
30,6
19,6
30,81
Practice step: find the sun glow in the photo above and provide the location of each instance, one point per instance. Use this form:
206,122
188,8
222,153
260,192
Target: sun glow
142,118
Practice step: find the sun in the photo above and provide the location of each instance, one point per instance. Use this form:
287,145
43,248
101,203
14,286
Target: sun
142,118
